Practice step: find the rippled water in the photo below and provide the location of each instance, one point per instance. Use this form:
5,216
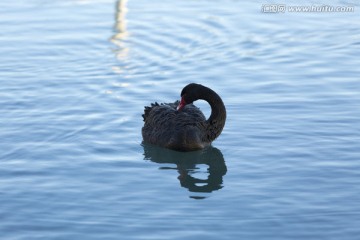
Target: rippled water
75,75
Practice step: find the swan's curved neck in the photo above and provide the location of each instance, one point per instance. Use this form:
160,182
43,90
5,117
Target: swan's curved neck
216,121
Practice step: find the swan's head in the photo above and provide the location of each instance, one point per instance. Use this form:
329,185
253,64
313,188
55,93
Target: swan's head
189,94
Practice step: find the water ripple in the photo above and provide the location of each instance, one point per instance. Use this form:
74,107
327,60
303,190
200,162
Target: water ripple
76,75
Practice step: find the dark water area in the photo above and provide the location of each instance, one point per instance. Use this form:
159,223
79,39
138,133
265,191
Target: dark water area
76,74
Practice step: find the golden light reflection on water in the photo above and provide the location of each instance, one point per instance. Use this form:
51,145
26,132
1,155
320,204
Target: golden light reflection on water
121,32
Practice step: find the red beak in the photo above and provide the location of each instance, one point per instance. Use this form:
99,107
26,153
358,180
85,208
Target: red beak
181,105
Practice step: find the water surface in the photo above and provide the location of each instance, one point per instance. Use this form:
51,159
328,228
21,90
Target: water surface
75,76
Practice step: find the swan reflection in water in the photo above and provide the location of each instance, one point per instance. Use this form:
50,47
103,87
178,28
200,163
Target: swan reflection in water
188,166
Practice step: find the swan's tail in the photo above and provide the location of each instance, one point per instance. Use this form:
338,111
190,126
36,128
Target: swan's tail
148,109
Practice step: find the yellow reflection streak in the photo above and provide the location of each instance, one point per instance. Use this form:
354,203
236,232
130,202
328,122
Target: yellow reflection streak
120,28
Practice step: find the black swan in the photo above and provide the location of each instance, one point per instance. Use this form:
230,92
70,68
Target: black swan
181,126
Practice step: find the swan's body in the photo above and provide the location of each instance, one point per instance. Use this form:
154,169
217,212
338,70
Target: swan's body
182,126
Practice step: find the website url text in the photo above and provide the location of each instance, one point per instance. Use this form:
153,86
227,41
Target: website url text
282,8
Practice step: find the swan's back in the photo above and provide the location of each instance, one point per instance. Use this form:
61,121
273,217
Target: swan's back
179,130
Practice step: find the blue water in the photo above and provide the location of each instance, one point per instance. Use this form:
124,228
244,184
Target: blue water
75,75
